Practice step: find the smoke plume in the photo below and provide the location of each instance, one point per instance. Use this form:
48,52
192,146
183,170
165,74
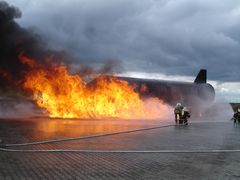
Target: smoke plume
14,40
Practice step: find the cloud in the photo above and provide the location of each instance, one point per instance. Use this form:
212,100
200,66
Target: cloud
166,36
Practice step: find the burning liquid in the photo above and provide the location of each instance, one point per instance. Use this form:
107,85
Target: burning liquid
69,96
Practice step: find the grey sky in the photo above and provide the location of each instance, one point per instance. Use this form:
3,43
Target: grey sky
172,37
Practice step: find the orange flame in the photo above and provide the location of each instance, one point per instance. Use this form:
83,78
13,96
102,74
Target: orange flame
69,96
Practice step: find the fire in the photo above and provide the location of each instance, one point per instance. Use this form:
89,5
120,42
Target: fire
65,95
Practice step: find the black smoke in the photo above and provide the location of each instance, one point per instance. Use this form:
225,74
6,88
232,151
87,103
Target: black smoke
13,40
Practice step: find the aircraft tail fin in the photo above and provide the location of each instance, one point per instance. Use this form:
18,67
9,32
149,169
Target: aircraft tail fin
201,77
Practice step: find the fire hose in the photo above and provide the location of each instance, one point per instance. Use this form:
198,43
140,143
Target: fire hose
84,137
4,147
122,151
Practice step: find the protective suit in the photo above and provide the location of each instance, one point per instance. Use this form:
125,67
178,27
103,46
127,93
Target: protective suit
236,116
178,112
185,116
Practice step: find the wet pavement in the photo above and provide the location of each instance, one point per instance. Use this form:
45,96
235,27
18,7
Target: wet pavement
199,135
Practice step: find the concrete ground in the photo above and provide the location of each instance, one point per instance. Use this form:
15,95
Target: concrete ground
68,165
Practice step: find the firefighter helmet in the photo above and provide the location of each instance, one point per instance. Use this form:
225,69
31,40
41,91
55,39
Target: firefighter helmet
179,104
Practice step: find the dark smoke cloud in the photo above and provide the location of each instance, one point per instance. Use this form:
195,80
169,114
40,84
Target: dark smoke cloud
174,37
14,40
110,67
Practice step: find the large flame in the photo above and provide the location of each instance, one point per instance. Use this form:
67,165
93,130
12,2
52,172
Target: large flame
69,96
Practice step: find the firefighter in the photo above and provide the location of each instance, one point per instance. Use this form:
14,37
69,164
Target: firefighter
178,112
185,115
236,116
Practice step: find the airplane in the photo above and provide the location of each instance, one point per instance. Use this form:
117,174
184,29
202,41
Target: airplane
194,95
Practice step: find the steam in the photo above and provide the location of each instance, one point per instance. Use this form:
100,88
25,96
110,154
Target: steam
218,110
15,109
157,106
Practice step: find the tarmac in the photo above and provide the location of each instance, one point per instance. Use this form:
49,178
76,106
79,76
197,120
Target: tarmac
129,155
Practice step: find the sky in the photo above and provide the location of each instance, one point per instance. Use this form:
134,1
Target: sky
161,39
